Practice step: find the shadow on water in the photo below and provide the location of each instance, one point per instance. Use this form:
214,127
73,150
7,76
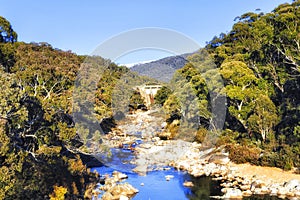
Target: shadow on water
263,197
204,188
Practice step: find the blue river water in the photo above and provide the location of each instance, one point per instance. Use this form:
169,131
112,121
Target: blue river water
154,185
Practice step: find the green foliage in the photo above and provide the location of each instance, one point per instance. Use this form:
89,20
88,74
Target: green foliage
162,95
58,193
243,154
36,128
259,61
7,56
264,118
7,51
201,135
7,34
172,108
136,100
281,159
228,137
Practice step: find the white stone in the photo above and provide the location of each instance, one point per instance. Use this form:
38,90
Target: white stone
122,197
233,193
282,191
292,184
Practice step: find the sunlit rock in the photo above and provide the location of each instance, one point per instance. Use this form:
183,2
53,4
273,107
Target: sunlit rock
188,184
233,193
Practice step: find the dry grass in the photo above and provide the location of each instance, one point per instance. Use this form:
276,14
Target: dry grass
267,174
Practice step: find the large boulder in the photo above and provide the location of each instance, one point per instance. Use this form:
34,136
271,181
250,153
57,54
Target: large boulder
123,190
292,184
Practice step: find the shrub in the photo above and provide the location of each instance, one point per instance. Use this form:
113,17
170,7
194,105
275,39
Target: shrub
58,193
285,158
243,154
227,137
200,135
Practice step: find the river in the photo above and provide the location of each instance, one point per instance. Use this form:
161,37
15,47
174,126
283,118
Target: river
153,185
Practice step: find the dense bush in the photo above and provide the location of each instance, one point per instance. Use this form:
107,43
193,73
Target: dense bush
243,154
285,157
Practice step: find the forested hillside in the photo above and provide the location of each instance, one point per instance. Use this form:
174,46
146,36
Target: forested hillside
41,153
162,69
259,63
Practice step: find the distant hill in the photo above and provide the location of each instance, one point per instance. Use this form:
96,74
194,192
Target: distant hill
162,69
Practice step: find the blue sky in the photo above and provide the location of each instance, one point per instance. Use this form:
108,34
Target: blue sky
80,26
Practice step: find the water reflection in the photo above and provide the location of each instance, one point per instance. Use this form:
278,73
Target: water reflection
263,197
204,188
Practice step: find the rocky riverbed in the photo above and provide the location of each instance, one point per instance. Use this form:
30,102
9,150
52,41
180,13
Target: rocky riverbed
139,135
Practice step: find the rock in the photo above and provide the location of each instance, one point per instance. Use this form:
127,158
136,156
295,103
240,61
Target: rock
265,190
220,159
159,143
107,196
282,191
163,125
147,134
141,169
292,184
109,182
247,193
290,194
245,187
235,183
96,192
164,135
146,146
256,184
188,184
233,193
122,197
155,139
273,191
123,189
224,190
142,184
119,176
169,177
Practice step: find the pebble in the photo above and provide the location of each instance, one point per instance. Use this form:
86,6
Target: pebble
169,177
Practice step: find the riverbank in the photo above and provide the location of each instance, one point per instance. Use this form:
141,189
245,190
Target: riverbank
240,180
138,134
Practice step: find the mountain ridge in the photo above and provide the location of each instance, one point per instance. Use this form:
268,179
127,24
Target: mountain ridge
162,69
